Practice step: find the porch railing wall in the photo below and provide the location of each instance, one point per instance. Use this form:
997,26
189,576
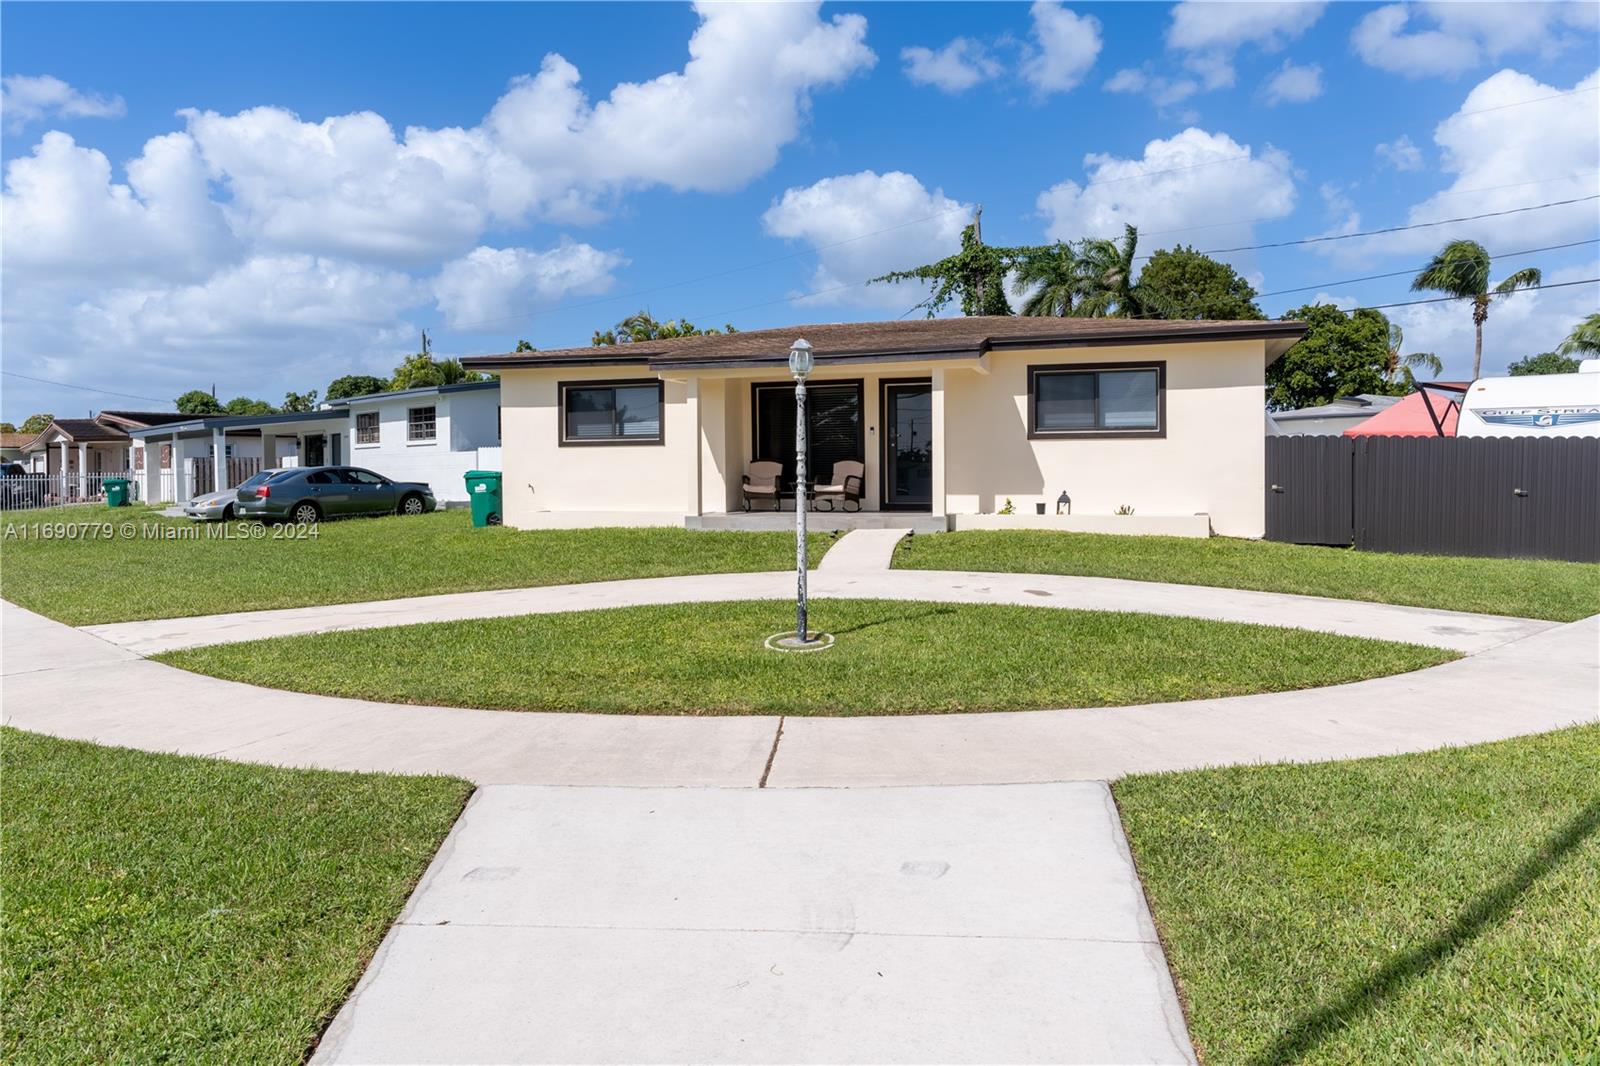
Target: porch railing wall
24,491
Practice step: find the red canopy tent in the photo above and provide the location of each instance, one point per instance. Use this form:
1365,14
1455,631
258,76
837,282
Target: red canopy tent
1418,415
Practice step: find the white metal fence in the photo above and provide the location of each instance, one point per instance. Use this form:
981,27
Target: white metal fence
23,491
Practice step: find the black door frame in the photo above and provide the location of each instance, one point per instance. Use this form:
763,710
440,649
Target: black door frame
885,500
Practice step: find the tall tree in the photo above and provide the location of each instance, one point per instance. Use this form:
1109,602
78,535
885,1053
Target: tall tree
1461,269
38,423
1402,366
244,405
524,346
1340,355
355,385
296,402
642,326
1108,284
1052,273
1543,363
1183,283
976,275
422,370
1584,338
8,427
198,402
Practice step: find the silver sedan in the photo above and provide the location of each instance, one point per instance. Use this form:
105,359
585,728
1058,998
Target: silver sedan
213,506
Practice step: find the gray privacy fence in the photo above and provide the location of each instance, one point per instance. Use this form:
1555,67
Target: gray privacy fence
1513,497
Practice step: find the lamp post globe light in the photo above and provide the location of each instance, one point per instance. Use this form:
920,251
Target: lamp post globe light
800,363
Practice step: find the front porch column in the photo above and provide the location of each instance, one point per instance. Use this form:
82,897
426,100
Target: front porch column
937,445
219,466
83,471
150,474
65,471
712,458
692,407
182,482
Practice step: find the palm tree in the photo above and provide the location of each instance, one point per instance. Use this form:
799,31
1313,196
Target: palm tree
1053,272
1105,273
1395,362
1461,269
1584,338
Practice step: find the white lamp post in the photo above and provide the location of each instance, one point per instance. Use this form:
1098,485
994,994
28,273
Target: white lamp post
800,363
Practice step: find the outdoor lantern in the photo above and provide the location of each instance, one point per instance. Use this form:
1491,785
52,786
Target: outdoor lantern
800,359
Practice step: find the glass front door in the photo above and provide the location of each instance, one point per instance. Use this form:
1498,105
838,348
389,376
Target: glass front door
908,445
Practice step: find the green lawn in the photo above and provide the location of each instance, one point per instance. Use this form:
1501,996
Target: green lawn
161,908
1526,588
891,658
1442,907
84,582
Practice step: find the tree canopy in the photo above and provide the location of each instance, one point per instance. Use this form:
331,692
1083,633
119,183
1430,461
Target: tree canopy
642,326
1584,338
976,276
1543,363
1183,283
198,402
343,388
1340,355
422,370
295,402
37,423
243,405
1461,269
8,427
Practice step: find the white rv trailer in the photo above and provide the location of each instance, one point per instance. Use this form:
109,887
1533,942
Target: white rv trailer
1538,405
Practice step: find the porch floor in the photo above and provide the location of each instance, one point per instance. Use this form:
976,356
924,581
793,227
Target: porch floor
822,521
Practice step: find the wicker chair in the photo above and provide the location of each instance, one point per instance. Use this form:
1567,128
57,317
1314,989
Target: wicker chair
761,482
844,487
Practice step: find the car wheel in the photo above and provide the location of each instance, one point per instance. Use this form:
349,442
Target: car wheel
411,505
227,513
306,513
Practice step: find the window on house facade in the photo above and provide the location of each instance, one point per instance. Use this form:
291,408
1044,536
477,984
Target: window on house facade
1123,400
367,427
624,412
421,424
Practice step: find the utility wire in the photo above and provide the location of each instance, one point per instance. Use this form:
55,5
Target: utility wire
1413,270
84,388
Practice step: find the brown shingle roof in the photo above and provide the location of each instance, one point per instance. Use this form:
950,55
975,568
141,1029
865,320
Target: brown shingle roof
934,337
147,418
15,440
84,431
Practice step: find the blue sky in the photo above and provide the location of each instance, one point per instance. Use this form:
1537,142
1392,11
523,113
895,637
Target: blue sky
265,196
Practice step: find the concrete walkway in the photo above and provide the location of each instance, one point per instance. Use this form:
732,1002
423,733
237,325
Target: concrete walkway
70,683
852,578
999,924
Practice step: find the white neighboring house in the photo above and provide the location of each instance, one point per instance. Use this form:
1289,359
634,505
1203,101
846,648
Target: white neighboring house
1537,405
431,434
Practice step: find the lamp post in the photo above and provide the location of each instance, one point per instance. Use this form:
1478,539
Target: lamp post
800,363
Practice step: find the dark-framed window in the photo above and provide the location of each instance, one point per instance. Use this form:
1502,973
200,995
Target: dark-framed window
1098,400
611,412
367,427
421,423
834,426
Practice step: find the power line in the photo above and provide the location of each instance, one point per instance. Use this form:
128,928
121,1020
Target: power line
1521,103
1445,299
1413,270
85,388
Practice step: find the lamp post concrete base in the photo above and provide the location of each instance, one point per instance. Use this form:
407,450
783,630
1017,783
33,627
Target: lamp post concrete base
791,642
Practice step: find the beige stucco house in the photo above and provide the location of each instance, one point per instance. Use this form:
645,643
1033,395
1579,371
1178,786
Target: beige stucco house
951,418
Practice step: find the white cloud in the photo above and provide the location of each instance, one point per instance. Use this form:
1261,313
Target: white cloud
1193,187
26,98
1463,35
1066,45
1163,91
1525,323
910,226
1505,157
1211,33
1293,84
488,286
955,68
240,230
1400,153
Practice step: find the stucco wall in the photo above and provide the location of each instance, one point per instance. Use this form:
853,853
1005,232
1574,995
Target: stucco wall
652,481
1211,460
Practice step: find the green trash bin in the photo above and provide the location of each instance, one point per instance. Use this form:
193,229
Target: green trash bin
116,491
483,489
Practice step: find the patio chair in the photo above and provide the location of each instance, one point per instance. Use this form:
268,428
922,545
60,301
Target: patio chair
761,482
844,487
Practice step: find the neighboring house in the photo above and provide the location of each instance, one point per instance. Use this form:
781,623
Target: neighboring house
1332,418
12,444
431,434
951,418
83,451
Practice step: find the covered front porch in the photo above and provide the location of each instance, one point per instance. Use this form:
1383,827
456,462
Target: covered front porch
182,459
